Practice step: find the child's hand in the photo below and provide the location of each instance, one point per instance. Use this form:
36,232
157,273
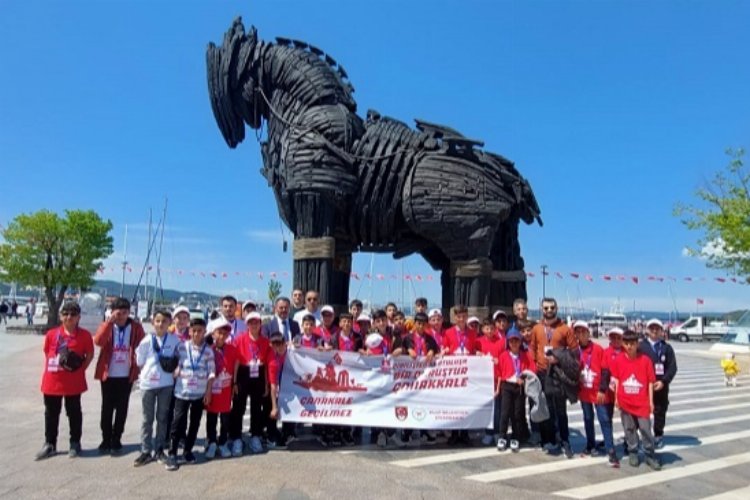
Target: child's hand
600,398
275,414
658,385
207,399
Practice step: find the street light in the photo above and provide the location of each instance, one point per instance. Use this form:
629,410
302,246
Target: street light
544,280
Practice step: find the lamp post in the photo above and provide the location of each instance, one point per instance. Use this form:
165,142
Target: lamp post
544,280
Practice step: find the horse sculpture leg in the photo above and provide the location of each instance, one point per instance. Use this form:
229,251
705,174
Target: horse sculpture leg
508,275
469,281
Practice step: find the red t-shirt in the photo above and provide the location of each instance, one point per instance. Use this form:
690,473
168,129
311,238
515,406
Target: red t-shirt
510,367
221,392
633,377
460,342
326,333
347,343
438,336
494,346
56,381
275,367
591,361
250,349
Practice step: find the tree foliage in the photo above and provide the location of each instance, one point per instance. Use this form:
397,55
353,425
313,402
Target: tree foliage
56,253
723,218
274,290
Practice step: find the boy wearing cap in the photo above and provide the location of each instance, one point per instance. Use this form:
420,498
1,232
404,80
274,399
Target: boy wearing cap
253,351
492,345
155,353
665,367
327,328
181,323
501,323
363,324
195,376
510,390
435,327
219,408
593,392
634,377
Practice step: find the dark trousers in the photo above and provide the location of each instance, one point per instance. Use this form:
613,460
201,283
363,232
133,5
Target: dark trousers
115,399
170,415
180,422
512,408
252,388
212,419
52,409
661,403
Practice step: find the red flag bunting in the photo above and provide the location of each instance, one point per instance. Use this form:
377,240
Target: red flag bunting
635,279
699,302
575,275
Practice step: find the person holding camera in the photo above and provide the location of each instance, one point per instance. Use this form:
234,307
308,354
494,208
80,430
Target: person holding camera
68,351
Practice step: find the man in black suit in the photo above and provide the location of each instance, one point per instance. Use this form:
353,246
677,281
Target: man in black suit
281,322
665,367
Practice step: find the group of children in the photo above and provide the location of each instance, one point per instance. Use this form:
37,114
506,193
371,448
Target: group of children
216,368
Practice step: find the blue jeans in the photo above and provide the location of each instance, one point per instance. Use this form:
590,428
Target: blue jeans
604,415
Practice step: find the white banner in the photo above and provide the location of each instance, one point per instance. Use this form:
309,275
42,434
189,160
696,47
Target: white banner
343,388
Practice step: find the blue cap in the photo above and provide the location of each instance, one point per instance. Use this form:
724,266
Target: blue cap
513,334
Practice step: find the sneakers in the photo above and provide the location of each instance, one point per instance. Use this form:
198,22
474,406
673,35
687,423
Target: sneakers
567,450
653,462
396,439
210,451
551,449
487,440
430,437
514,446
633,460
160,457
613,460
172,464
104,447
590,452
48,450
255,445
502,444
224,451
142,459
237,448
382,440
271,445
75,450
659,442
189,457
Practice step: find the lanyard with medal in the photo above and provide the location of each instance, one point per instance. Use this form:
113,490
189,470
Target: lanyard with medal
419,344
194,364
254,364
347,343
53,362
587,377
462,340
119,352
660,358
516,364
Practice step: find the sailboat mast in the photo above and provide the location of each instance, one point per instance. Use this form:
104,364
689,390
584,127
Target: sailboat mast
124,262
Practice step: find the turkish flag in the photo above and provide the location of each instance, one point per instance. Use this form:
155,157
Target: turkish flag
575,275
699,302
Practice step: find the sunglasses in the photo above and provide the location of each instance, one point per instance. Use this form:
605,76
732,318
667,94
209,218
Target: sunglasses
549,308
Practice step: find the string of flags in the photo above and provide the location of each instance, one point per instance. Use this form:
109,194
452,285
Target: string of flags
261,275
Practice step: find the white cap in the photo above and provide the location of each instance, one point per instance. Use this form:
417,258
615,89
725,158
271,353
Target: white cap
373,340
615,331
435,312
473,319
729,355
655,322
216,324
249,303
364,317
581,324
252,315
497,313
326,309
180,309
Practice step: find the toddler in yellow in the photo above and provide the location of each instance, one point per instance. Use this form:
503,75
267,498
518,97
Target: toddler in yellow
731,369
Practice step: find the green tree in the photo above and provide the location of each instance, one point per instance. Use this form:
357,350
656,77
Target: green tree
723,218
57,253
274,290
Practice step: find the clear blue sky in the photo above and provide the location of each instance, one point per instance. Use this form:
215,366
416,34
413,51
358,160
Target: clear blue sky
613,110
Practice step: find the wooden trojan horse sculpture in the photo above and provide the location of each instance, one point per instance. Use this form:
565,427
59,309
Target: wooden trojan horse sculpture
343,184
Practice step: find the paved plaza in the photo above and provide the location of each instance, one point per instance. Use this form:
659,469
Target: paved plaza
707,453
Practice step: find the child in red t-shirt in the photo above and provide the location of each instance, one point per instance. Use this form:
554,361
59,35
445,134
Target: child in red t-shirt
218,410
634,395
510,390
593,393
492,344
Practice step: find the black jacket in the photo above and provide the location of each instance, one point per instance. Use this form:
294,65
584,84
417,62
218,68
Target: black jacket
562,377
665,356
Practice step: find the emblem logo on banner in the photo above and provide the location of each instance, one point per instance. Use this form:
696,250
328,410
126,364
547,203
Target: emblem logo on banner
401,412
419,414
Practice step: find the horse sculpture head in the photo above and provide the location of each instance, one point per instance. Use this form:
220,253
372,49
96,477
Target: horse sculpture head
233,79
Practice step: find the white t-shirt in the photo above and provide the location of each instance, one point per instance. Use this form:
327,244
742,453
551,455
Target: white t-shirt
152,376
119,362
304,312
197,366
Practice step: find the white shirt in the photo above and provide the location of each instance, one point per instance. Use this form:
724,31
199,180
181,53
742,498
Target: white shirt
197,366
152,376
119,362
304,312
